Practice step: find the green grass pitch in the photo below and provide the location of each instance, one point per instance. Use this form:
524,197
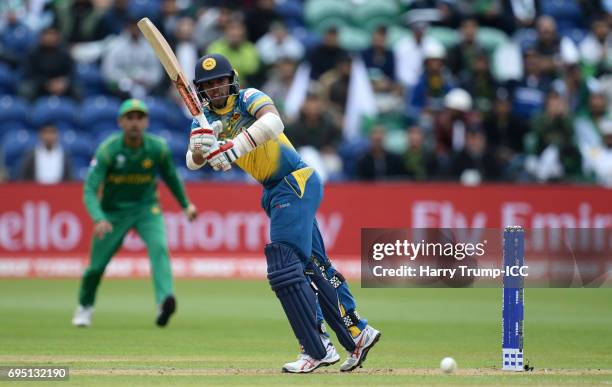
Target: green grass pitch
234,333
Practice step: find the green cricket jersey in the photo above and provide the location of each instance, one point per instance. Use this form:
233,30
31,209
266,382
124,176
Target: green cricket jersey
129,176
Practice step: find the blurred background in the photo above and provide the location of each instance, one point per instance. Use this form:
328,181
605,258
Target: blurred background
407,90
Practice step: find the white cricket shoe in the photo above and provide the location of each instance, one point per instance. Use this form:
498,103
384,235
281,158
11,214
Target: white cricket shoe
82,316
305,363
363,343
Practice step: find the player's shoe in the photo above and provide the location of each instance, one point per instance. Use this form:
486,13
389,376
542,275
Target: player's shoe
166,309
363,343
305,363
82,316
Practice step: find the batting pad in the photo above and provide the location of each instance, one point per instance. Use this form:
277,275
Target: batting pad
287,279
328,300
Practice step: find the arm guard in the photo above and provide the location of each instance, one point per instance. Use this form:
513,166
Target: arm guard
267,127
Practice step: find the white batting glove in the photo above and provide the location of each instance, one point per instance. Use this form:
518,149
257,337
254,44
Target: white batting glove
223,155
202,139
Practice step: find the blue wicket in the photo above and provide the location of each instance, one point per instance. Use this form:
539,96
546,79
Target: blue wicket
513,307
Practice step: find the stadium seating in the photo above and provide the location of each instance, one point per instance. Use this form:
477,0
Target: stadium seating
350,151
58,110
292,12
322,14
14,112
491,38
15,143
353,38
141,8
18,39
8,80
98,110
78,144
447,36
89,78
373,13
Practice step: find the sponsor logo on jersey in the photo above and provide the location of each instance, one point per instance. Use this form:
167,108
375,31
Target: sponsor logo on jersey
147,163
248,93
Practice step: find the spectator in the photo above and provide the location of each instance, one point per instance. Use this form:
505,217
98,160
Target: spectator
335,84
324,57
16,38
505,131
280,81
409,54
452,123
79,20
184,47
130,66
572,85
547,45
476,162
315,134
552,143
211,26
278,43
377,163
239,51
115,17
315,125
378,56
47,163
596,48
259,19
491,13
480,84
461,56
170,16
529,93
598,158
588,124
48,68
419,162
433,84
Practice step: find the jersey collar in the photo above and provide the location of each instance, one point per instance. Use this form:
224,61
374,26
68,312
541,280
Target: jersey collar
229,106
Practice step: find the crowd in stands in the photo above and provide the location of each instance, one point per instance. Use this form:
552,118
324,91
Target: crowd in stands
409,90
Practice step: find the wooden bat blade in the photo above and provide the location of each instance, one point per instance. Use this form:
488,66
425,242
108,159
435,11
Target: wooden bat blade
161,48
173,68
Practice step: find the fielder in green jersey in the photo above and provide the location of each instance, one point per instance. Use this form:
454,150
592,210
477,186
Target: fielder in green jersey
126,165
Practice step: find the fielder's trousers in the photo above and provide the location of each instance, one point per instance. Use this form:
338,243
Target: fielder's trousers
149,224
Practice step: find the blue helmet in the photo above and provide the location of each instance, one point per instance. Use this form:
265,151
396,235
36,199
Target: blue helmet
213,66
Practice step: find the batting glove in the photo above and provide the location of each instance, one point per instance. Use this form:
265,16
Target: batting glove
223,155
202,139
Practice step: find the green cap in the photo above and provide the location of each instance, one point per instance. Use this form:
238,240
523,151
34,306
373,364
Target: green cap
133,105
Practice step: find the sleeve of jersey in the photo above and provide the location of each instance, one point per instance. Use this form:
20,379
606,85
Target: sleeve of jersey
167,171
252,100
95,177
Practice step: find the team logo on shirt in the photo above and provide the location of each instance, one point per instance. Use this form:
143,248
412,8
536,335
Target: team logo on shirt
147,163
120,160
209,64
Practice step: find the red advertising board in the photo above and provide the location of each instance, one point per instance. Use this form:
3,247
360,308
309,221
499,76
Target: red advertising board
45,231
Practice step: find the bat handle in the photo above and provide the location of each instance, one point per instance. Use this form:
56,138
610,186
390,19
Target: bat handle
203,121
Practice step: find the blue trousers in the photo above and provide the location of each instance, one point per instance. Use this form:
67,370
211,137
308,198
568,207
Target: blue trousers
291,206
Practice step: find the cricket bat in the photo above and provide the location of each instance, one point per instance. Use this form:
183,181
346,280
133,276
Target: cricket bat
172,67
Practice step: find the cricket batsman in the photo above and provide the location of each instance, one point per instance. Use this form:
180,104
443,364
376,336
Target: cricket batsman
126,165
247,131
